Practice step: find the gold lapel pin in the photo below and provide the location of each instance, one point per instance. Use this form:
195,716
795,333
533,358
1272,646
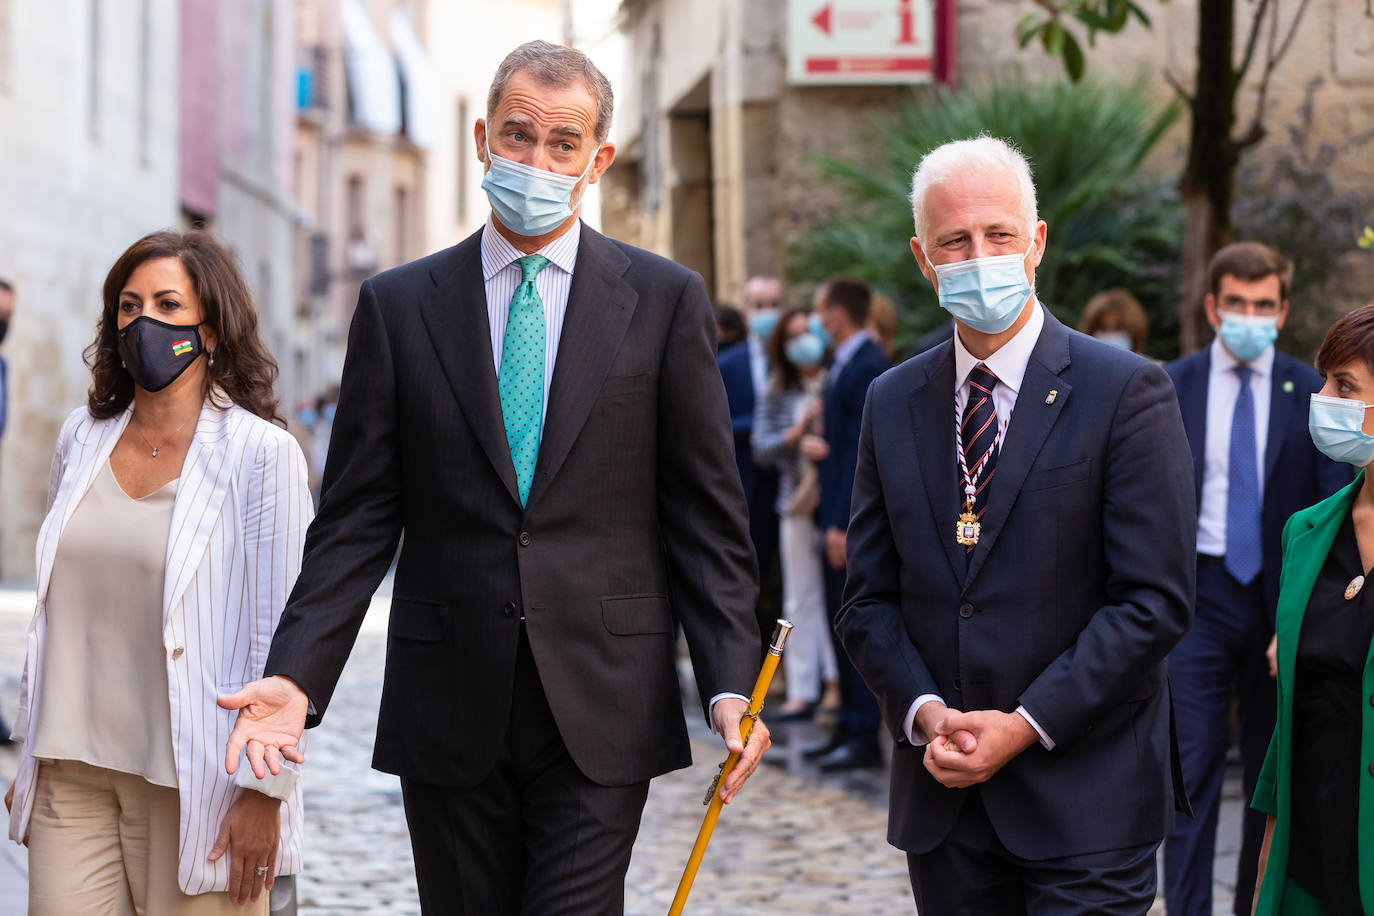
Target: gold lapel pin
1288,386
1049,398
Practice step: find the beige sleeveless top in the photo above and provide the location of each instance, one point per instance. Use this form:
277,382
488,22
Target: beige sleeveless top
104,698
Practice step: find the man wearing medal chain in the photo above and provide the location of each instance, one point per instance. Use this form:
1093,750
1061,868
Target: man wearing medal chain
1019,565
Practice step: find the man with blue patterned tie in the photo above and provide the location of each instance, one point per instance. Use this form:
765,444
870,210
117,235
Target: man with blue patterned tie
1245,411
539,410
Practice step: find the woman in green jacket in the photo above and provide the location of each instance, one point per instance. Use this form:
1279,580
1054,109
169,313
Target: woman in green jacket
1317,784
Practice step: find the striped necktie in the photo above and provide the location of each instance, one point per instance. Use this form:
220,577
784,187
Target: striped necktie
978,437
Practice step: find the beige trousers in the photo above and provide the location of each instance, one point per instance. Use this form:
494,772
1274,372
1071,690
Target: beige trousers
104,842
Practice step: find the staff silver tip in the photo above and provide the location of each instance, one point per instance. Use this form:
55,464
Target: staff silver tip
780,634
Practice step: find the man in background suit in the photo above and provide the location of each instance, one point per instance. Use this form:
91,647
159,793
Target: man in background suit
843,304
530,690
1018,574
1245,410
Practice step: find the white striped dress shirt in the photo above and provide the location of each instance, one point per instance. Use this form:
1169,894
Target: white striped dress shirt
502,275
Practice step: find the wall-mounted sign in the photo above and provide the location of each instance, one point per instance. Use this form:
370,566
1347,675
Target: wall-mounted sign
860,42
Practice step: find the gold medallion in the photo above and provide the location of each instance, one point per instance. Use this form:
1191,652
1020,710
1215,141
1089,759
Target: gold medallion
1354,587
967,530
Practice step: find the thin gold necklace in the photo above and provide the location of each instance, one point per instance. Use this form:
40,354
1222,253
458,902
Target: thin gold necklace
157,448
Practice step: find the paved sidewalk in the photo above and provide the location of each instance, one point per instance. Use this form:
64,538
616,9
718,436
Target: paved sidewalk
796,842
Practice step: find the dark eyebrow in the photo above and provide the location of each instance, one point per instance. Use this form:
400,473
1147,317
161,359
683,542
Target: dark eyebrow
1344,376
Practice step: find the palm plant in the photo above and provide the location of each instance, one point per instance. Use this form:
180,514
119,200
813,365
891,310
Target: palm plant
1108,225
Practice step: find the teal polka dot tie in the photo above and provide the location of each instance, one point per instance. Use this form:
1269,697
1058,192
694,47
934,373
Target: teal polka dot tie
522,373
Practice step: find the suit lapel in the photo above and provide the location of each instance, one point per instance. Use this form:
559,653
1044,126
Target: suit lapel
96,439
1193,406
201,490
600,306
1281,405
454,312
932,415
1031,422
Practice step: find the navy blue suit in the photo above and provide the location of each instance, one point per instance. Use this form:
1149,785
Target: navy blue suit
760,481
1224,654
1081,583
845,389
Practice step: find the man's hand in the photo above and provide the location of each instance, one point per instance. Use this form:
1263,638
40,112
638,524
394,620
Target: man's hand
271,720
1272,654
250,834
726,715
997,738
814,448
931,721
834,547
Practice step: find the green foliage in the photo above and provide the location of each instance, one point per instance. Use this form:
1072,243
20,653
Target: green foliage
1049,25
1085,142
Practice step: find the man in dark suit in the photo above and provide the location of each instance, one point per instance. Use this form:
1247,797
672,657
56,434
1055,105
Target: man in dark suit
843,304
1245,410
530,690
1018,574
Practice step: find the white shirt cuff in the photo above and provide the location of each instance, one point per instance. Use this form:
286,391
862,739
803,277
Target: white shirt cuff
1045,740
909,723
711,707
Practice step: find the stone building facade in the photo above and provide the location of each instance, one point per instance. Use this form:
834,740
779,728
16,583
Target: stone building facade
716,161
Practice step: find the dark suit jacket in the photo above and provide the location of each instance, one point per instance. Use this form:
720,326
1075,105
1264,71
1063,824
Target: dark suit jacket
736,371
635,517
844,409
1080,585
1296,475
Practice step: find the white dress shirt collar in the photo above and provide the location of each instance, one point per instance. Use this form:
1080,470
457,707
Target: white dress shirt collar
845,351
1223,361
1009,362
498,253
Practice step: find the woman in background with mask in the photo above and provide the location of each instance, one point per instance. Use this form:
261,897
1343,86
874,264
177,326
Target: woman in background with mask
1318,853
177,513
791,409
1115,316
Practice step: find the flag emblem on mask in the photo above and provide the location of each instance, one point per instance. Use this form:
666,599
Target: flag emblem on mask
181,347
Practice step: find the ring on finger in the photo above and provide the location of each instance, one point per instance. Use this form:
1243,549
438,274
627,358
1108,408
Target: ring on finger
260,871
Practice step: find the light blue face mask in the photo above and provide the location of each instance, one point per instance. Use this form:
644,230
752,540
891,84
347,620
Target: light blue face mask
762,323
530,201
805,351
1337,428
985,293
818,328
1248,336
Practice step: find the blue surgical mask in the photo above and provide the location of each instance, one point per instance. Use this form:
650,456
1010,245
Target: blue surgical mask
818,328
1116,338
762,323
985,293
1248,336
805,351
1337,428
530,201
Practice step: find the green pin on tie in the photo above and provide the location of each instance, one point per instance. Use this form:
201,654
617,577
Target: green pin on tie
522,373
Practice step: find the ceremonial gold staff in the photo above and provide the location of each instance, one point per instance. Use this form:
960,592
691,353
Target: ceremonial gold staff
712,799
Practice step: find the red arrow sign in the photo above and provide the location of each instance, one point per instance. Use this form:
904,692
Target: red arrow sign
822,19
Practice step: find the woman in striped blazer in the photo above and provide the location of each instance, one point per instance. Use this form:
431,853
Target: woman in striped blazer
177,512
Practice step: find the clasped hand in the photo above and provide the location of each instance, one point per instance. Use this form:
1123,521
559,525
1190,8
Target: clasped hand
726,716
967,748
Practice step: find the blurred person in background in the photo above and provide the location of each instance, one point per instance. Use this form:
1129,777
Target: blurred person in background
1245,409
882,324
790,410
177,514
843,305
6,316
1317,854
1115,316
730,328
535,415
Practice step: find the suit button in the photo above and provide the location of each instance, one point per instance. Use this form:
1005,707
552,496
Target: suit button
509,609
966,610
178,652
524,539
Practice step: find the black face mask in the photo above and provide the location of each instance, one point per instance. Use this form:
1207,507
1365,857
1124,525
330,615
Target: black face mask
156,353
4,329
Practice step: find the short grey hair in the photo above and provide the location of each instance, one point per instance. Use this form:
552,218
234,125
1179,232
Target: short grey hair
982,154
557,67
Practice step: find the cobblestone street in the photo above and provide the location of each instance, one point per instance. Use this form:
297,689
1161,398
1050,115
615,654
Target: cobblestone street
795,842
